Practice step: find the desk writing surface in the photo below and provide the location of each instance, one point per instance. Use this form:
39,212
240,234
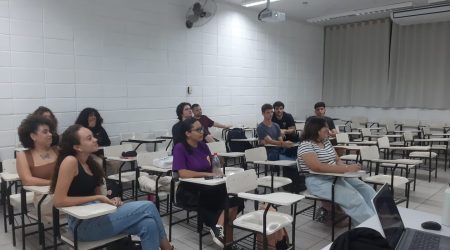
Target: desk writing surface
202,181
38,189
359,173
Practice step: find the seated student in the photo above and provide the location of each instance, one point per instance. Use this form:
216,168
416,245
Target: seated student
36,165
289,133
77,181
191,159
183,111
286,122
270,133
90,118
320,110
47,113
206,123
317,154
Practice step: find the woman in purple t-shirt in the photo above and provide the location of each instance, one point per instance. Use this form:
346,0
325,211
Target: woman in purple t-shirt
191,159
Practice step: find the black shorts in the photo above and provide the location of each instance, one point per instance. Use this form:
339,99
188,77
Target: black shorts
210,200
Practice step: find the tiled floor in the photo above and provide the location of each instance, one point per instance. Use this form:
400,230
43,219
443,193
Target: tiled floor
309,234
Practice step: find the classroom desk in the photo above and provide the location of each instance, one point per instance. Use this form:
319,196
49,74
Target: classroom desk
203,181
252,140
232,155
37,190
166,137
7,181
280,163
144,141
432,140
411,218
118,177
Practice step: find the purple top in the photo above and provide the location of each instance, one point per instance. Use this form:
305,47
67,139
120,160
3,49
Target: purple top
197,161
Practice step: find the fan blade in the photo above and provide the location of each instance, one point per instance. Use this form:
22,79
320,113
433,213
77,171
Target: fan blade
197,9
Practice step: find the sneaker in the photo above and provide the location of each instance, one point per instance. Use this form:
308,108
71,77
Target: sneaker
217,235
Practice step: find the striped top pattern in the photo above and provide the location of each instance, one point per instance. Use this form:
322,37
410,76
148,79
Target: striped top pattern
325,155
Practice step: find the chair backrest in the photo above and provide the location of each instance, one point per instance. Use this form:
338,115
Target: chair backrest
411,124
359,121
383,142
242,182
426,130
342,138
116,150
366,132
369,153
256,154
9,166
390,126
408,137
217,147
146,158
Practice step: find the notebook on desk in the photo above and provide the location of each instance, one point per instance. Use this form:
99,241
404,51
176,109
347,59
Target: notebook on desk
394,229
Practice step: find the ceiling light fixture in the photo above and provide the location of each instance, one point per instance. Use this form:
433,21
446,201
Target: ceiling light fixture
361,12
255,3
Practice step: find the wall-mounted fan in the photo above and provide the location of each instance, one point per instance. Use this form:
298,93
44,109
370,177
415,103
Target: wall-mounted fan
200,13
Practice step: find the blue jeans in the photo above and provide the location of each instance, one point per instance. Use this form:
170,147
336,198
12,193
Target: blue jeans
353,195
136,218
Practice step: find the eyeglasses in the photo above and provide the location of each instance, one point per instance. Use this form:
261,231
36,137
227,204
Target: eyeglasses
199,130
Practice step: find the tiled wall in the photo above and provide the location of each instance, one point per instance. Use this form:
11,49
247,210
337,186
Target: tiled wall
133,60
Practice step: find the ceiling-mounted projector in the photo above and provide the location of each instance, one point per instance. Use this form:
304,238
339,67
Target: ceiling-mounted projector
271,16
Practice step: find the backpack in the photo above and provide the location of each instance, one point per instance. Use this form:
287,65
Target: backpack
237,146
361,238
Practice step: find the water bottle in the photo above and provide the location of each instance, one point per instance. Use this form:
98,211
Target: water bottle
216,166
446,208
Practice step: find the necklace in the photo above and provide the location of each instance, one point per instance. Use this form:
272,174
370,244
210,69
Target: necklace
45,156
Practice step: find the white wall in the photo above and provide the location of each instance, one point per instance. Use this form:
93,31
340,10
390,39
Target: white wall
133,59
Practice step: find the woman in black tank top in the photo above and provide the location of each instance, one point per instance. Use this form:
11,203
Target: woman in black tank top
77,181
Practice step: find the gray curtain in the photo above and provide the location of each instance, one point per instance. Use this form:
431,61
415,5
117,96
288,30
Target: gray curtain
420,66
356,64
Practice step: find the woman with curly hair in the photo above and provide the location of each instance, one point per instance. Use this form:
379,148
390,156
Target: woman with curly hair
90,118
47,113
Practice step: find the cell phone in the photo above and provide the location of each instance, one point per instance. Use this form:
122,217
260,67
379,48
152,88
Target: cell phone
213,177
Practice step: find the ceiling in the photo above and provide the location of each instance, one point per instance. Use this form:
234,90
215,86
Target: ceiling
301,10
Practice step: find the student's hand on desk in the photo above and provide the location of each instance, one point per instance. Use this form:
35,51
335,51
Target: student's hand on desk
117,201
353,168
105,199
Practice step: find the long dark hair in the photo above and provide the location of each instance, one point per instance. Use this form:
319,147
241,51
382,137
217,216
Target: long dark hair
186,126
312,128
84,115
69,139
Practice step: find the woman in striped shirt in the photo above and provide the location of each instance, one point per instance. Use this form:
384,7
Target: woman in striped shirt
316,153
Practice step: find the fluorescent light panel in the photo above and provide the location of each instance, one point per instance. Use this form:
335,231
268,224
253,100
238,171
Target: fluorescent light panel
360,12
255,3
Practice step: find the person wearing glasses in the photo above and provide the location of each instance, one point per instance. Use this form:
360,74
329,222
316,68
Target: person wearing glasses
192,159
